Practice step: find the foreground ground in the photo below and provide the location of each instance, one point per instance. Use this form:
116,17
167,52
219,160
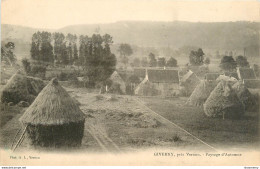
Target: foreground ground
236,134
128,123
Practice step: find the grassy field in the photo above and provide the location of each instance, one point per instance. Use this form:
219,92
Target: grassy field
228,133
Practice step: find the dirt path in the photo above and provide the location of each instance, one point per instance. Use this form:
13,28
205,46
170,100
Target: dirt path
101,137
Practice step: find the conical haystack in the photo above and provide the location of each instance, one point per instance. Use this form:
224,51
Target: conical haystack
250,101
21,88
223,101
201,93
54,119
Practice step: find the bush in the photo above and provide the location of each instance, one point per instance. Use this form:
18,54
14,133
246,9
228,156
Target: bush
70,76
228,63
35,69
207,61
38,71
26,66
242,61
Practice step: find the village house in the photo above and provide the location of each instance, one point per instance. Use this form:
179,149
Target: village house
211,76
248,77
231,74
159,82
245,73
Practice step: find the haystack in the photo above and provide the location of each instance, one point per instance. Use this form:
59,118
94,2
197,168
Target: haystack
223,101
201,92
54,119
249,100
229,79
189,81
21,88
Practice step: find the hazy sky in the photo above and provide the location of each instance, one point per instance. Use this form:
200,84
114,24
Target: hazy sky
60,13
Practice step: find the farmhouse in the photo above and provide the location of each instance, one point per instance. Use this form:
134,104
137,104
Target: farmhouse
231,74
116,78
54,119
140,72
211,76
252,83
159,82
245,73
189,81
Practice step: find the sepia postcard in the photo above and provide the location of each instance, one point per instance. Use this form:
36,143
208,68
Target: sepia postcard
130,83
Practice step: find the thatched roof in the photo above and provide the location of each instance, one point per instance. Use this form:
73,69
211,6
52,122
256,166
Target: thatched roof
139,72
223,100
231,74
246,73
116,77
201,92
163,76
53,106
212,76
186,76
252,83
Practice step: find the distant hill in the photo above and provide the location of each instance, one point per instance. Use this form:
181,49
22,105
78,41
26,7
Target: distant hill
215,36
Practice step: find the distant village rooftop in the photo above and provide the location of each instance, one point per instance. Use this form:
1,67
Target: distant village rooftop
163,76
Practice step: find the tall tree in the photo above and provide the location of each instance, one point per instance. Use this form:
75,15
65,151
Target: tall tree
152,60
58,45
161,62
228,63
242,61
171,62
197,57
99,61
125,50
35,46
144,62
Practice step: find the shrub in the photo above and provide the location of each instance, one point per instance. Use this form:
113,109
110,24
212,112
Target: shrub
207,61
38,71
26,66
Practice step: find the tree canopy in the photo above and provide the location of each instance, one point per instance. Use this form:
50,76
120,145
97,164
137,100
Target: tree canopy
196,57
228,63
242,61
171,62
161,62
152,60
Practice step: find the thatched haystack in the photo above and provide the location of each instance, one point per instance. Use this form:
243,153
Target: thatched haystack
189,81
230,80
54,119
246,97
223,101
21,88
201,93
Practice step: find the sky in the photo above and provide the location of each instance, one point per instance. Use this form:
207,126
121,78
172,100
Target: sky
54,14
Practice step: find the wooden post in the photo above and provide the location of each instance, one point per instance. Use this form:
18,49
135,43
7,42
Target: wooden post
20,139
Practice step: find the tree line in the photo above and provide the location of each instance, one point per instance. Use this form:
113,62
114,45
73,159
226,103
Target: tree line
94,53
